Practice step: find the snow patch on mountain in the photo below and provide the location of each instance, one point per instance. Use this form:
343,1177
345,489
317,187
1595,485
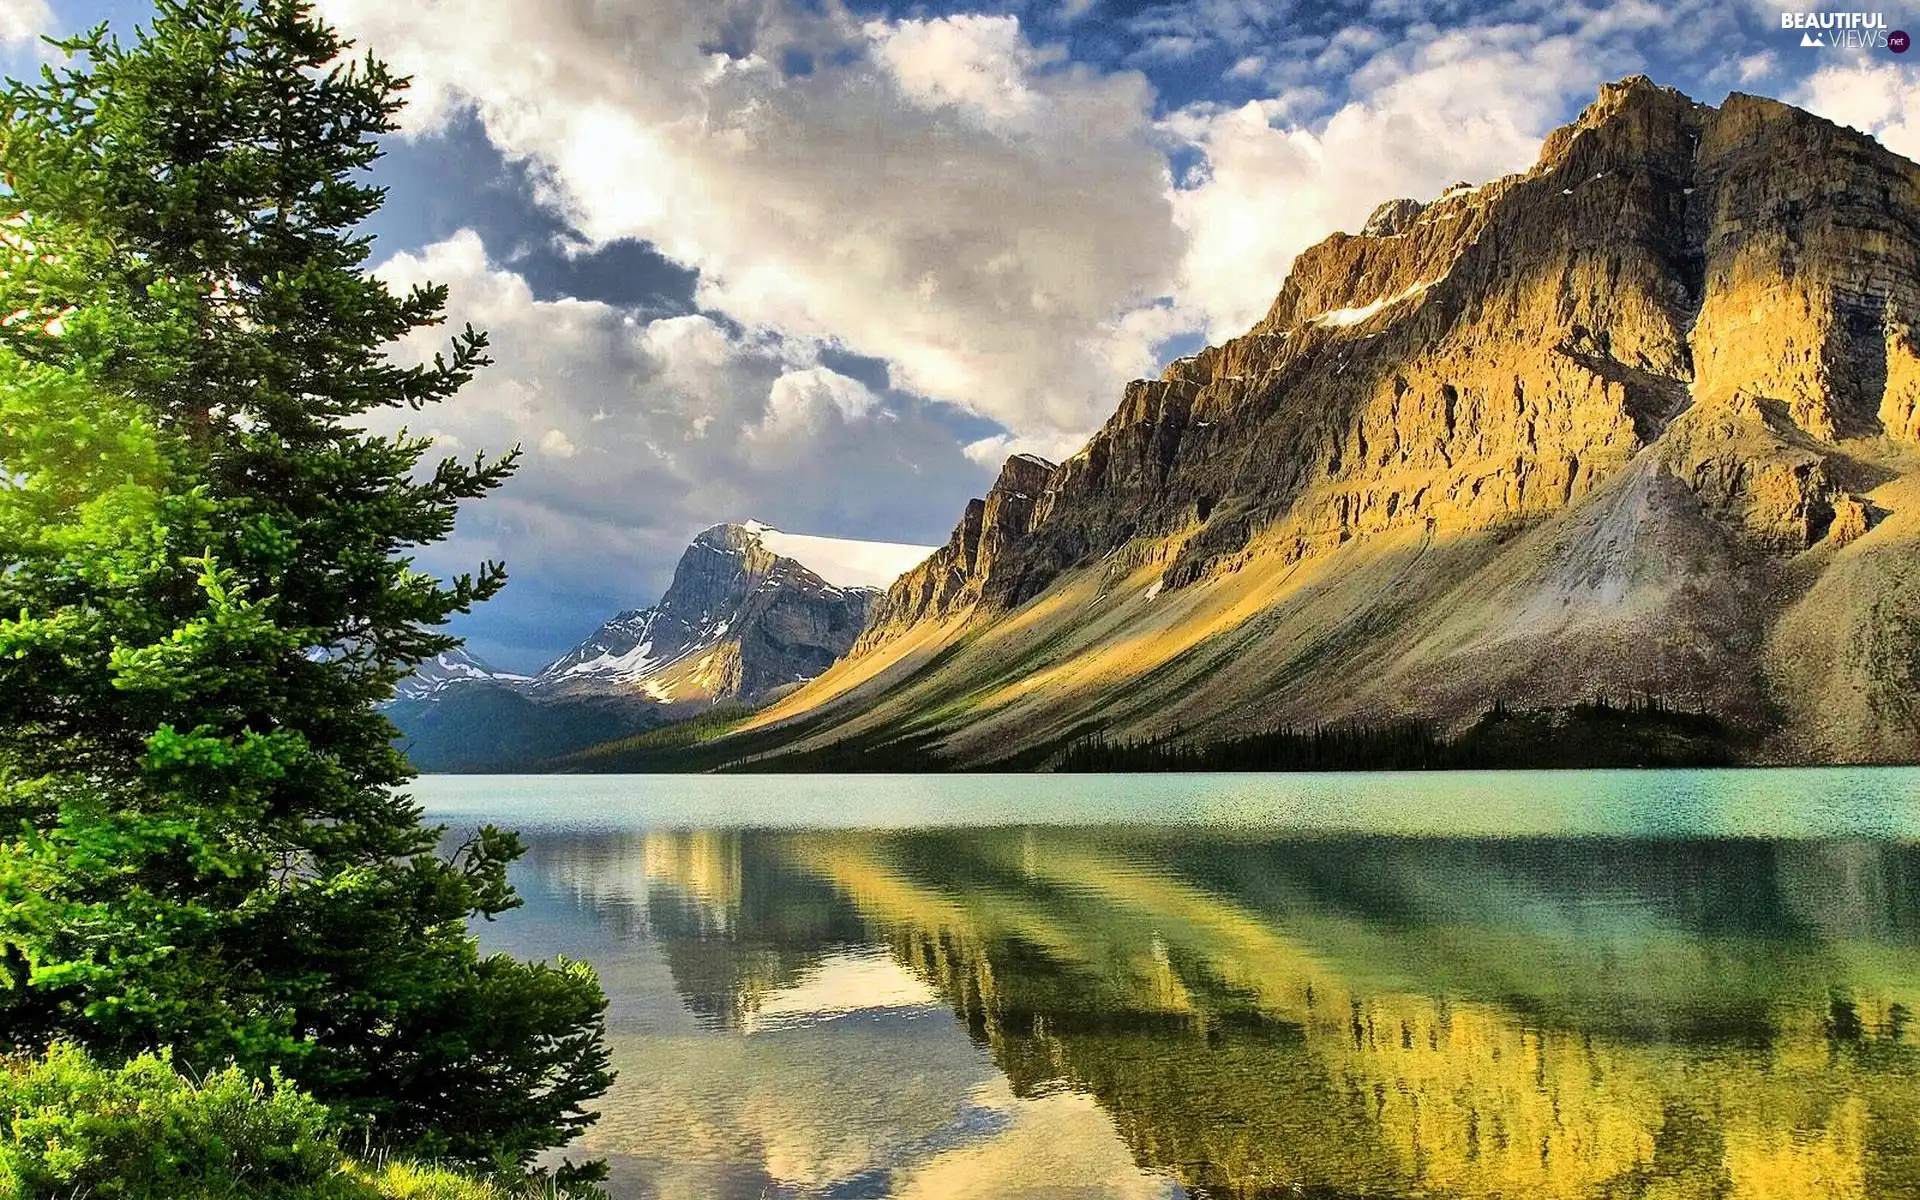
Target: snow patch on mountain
455,668
637,661
843,562
1341,318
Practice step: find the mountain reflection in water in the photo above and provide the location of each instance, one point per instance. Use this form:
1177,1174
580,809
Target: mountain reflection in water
1124,1011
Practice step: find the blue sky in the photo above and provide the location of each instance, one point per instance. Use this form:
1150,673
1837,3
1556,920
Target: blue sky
825,264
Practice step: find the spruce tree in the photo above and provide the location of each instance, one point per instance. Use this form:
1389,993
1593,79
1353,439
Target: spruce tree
206,592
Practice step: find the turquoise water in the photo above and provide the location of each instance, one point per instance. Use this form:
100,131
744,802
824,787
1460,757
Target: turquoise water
1583,985
1876,802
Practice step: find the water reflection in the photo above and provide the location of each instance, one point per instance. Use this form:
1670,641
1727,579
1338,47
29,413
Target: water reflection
1130,1011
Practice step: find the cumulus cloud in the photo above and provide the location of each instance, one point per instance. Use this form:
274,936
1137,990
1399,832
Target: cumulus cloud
975,62
810,398
1757,66
1877,98
1270,182
941,194
640,432
24,20
995,222
992,452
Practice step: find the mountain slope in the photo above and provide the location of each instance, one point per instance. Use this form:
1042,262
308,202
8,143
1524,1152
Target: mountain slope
1643,419
495,728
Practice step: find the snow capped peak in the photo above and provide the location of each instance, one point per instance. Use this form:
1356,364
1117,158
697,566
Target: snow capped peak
453,668
700,642
842,562
457,662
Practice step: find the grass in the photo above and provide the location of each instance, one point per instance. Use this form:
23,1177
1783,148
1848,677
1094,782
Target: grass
416,1181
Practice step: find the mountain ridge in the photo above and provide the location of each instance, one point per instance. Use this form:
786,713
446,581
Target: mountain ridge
452,669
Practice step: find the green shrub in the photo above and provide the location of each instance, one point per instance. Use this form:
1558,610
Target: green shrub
144,1131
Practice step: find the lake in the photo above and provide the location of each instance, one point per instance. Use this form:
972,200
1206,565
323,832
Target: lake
1584,984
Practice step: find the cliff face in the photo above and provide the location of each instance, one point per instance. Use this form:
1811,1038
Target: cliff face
1604,425
1494,354
955,577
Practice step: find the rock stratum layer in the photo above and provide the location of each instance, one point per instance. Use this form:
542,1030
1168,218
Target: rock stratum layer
1644,419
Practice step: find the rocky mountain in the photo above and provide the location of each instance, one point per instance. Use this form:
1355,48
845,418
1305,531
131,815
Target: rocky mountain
950,580
743,620
1642,420
454,670
740,622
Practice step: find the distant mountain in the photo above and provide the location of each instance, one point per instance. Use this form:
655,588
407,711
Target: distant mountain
745,617
454,669
752,612
1642,421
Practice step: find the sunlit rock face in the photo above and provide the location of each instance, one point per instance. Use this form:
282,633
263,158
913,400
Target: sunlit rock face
1614,415
1497,352
951,581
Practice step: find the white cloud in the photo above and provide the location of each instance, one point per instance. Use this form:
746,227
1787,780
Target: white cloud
1178,28
992,452
1758,66
1880,99
977,63
1461,106
941,194
24,20
635,428
804,399
1353,44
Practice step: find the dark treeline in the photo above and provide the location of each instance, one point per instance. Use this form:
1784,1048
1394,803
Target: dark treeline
1400,746
684,745
1640,732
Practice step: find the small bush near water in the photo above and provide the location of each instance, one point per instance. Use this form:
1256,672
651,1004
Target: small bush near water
76,1130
